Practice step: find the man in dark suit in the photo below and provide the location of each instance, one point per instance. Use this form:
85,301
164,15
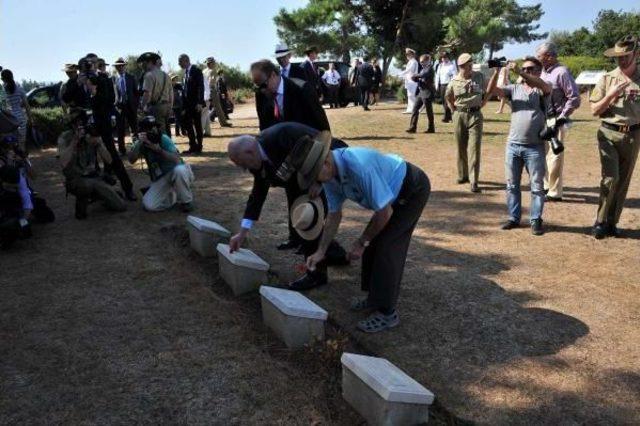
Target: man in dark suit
311,70
193,103
287,69
126,102
266,157
426,92
281,99
365,81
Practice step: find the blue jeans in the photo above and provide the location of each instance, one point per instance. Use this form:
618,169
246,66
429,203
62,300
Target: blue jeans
531,157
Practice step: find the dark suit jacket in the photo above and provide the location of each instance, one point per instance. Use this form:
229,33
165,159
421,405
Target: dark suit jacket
132,92
277,142
426,86
311,74
295,71
365,74
300,104
193,93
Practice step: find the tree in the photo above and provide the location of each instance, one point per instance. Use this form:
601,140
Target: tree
330,25
489,24
608,27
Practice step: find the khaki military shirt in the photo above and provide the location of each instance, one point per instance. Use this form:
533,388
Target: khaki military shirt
467,93
158,84
626,108
83,162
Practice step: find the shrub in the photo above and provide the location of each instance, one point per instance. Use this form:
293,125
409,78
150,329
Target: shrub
577,64
241,95
401,94
235,77
47,123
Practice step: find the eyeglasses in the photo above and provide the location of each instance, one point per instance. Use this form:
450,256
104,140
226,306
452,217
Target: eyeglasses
530,69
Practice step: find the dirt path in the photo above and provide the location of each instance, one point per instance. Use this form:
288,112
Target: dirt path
112,319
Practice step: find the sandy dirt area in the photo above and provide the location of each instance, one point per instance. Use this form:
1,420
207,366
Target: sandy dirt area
113,319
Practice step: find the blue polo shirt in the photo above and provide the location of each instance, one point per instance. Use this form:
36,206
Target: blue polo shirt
365,176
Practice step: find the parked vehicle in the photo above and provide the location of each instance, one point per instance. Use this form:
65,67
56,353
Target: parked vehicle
45,97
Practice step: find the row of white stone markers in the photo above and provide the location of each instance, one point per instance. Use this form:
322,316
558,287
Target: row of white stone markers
381,392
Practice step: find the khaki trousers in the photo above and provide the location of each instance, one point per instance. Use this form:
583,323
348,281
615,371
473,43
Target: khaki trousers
555,164
467,128
162,112
217,105
618,154
205,120
96,188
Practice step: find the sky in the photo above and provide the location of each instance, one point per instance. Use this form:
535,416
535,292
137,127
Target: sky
37,37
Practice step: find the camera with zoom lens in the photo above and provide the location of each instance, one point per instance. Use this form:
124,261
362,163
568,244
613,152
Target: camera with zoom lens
497,62
550,133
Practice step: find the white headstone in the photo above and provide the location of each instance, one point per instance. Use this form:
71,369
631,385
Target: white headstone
387,380
293,303
208,226
243,257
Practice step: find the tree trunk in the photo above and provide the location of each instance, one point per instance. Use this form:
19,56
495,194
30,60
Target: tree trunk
403,18
491,47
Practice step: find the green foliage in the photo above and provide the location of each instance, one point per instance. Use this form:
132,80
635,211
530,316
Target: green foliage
480,24
241,95
608,27
236,78
49,122
401,94
330,25
577,64
28,85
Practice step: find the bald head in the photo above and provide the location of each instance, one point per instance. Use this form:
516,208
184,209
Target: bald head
243,152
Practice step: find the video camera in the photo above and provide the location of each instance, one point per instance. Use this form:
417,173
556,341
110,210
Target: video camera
550,133
497,62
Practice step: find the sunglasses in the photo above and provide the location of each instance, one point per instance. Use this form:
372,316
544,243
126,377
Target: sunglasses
261,86
530,69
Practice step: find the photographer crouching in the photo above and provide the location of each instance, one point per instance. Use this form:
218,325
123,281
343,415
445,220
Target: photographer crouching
171,178
79,150
525,146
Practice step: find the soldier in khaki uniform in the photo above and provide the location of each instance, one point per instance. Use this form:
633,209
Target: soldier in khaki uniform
157,99
616,100
465,96
211,78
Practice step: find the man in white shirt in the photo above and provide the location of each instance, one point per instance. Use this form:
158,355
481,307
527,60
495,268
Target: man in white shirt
410,70
331,79
445,71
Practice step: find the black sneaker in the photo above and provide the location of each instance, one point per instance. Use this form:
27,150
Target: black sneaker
475,189
536,227
410,130
461,181
510,224
600,231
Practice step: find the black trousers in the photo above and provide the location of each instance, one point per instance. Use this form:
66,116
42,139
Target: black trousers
384,259
192,121
332,94
364,96
116,166
357,95
415,114
447,112
127,116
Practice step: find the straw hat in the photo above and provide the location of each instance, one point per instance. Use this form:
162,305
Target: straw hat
623,47
119,61
409,50
307,216
282,50
70,67
308,156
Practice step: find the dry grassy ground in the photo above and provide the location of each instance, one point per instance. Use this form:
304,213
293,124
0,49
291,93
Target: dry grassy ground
111,320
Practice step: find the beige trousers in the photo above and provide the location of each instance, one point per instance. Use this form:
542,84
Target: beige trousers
173,187
555,164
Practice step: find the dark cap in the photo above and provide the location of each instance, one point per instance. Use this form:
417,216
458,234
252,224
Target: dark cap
148,56
311,49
